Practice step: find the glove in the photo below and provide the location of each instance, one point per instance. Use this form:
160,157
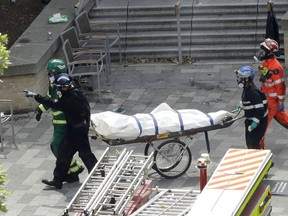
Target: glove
38,114
280,106
239,106
29,94
252,126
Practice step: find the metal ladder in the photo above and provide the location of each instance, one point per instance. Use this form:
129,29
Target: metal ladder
169,202
110,185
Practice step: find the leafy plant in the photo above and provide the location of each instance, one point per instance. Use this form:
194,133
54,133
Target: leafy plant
4,53
3,192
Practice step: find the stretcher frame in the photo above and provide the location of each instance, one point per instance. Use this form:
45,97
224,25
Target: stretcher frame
171,142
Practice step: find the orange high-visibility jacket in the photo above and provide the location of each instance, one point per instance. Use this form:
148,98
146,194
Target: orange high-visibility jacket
274,87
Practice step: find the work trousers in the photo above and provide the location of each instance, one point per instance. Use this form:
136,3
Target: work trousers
76,140
256,136
280,116
57,140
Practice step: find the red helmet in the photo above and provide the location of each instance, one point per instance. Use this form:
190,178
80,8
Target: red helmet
269,46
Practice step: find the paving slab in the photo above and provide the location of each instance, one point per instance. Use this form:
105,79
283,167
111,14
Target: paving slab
34,160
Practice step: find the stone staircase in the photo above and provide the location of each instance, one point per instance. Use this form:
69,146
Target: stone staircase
209,33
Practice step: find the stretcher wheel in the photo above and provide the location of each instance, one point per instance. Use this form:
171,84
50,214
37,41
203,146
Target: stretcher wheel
172,159
151,147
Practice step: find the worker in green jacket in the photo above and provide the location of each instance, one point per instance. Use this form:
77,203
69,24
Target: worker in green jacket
55,67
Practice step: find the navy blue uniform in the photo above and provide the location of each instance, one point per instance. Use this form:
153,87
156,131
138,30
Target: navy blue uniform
255,109
77,113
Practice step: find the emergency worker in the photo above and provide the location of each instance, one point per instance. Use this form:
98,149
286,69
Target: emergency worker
55,67
77,112
273,81
254,104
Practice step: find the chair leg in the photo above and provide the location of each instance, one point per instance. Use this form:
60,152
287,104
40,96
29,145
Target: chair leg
120,54
108,63
99,87
98,84
107,67
13,132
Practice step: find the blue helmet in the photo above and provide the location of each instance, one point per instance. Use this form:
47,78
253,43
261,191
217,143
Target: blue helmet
245,72
244,76
63,80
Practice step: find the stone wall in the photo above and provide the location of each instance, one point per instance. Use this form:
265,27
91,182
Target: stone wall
12,88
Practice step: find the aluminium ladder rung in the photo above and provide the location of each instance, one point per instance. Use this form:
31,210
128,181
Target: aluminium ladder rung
112,179
168,202
132,170
91,183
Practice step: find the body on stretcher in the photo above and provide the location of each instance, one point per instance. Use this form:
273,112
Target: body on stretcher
162,120
172,157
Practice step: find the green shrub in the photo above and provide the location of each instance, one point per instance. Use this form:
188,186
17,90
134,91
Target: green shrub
4,53
3,192
4,62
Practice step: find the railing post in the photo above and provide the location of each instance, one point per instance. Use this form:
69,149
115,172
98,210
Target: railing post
177,12
78,7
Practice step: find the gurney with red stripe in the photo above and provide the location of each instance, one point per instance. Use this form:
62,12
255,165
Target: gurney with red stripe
236,186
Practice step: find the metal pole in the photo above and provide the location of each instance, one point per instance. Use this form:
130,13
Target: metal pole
177,12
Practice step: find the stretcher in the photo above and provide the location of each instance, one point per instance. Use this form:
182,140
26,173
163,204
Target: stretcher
172,156
169,202
236,187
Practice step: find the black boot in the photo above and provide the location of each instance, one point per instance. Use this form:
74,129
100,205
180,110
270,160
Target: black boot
54,183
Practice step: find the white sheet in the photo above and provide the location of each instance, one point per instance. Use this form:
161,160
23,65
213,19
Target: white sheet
163,119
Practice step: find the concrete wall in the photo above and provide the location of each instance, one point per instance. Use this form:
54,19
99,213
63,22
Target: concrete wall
284,24
13,86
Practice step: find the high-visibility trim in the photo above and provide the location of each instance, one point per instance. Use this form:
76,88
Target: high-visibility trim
279,81
274,83
274,94
56,113
42,108
256,106
253,107
254,119
59,121
73,161
252,191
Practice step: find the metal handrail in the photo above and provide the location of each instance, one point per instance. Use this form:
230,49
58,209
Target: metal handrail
177,13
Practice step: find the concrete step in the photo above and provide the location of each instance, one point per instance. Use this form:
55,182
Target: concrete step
198,9
207,31
164,38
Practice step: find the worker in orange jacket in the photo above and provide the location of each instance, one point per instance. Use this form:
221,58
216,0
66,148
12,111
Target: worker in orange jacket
273,82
